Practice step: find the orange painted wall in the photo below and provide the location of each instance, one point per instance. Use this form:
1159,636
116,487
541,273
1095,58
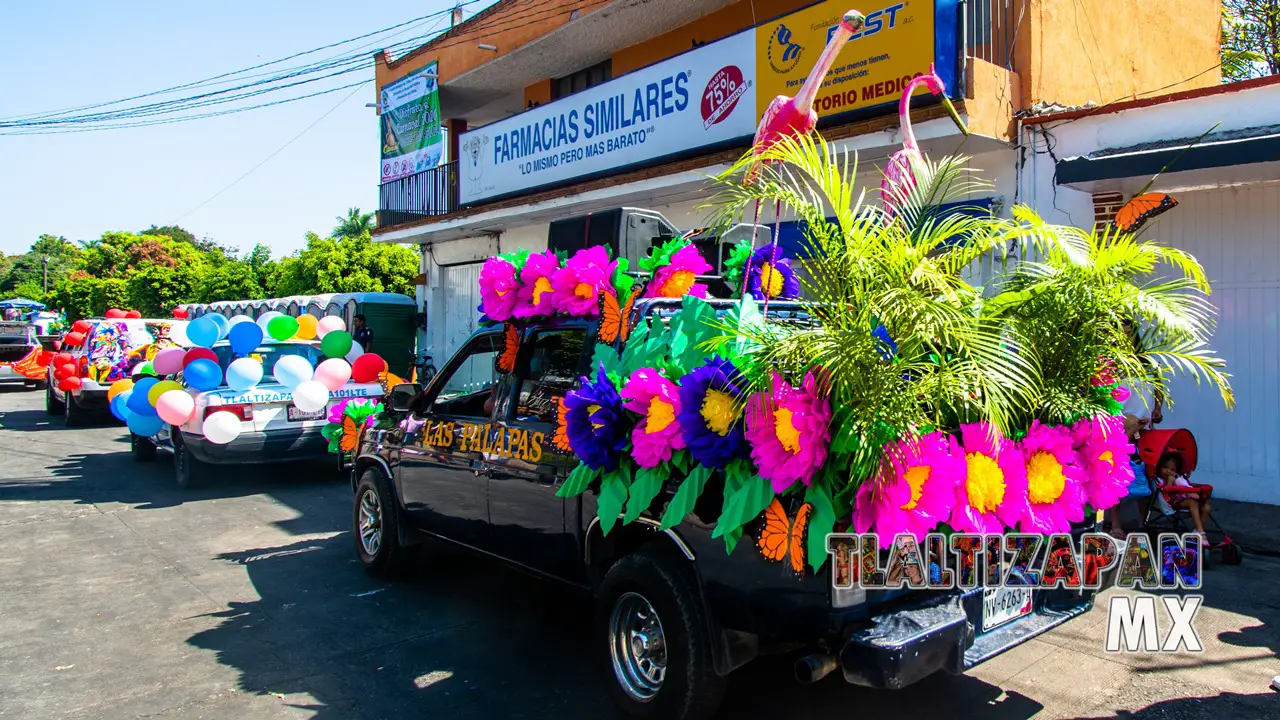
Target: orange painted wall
539,93
721,23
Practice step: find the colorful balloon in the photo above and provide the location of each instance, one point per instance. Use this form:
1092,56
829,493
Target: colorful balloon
82,326
202,374
175,407
336,343
203,332
180,313
62,372
310,396
220,321
221,427
244,373
282,327
160,388
292,370
139,398
197,353
245,337
74,339
119,406
114,314
63,359
354,353
44,359
265,318
133,315
306,327
333,373
367,367
328,324
118,387
144,425
145,368
168,361
70,384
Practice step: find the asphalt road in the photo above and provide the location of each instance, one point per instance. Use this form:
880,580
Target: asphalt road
122,596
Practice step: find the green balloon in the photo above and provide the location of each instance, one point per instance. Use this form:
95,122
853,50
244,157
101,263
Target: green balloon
336,344
282,327
145,369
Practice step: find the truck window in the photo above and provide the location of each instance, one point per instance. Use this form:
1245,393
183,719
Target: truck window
549,368
470,386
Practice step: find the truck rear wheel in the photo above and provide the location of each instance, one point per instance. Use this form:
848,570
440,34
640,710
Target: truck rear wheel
73,415
52,405
376,525
142,449
188,471
653,634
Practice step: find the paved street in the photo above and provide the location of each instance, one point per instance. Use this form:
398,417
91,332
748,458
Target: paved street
122,597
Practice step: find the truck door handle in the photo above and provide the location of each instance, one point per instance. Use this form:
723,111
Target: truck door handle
411,451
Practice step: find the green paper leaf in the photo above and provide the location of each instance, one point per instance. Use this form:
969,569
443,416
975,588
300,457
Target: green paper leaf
577,482
613,494
646,487
735,476
605,355
749,501
660,255
681,460
686,496
844,437
634,354
821,521
517,258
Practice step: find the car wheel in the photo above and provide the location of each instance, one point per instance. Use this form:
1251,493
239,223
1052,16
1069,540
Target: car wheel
188,471
652,633
73,414
52,405
1231,554
142,449
377,527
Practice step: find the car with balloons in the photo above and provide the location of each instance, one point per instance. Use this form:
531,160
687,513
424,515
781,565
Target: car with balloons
247,392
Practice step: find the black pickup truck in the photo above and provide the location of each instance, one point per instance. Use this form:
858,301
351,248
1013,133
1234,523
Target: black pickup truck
470,459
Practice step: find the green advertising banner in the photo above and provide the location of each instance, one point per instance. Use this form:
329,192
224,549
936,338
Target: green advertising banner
411,139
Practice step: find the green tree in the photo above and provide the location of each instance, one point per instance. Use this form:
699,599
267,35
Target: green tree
154,290
1250,39
231,281
354,224
347,265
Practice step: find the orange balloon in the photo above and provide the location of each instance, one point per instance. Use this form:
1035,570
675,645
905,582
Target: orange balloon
306,327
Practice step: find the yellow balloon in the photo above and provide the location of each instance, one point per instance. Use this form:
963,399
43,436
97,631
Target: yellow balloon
306,327
118,387
161,388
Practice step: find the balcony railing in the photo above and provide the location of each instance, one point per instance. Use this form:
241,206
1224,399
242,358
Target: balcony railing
421,195
990,28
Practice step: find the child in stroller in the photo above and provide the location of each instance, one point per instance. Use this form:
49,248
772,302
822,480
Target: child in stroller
1169,457
1180,493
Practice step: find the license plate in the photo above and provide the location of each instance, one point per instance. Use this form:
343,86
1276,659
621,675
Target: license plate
296,415
1000,605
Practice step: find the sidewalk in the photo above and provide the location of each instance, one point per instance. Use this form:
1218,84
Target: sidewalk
1256,527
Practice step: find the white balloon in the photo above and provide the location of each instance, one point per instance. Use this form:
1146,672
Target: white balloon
355,352
311,396
243,374
328,324
236,320
292,370
266,318
221,427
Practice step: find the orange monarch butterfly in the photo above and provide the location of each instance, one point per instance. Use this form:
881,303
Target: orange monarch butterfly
615,322
561,438
389,381
1142,208
510,348
781,539
350,434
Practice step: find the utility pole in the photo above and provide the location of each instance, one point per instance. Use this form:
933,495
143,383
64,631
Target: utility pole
455,17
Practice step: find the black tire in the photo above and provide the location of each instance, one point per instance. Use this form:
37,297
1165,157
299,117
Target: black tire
187,470
376,524
142,449
689,687
73,415
1231,554
52,405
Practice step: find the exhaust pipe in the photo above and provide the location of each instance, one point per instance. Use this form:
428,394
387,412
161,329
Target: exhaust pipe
813,667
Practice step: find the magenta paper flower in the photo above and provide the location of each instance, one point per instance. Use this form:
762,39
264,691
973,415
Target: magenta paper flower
335,412
915,493
498,286
1054,478
1120,393
789,430
579,283
676,279
657,400
536,297
993,493
1104,454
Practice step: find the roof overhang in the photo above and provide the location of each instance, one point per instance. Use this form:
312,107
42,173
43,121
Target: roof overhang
1239,157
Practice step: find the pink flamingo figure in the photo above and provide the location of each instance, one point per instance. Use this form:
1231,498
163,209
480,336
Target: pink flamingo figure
899,177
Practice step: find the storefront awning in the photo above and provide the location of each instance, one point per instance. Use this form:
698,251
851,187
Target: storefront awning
1226,150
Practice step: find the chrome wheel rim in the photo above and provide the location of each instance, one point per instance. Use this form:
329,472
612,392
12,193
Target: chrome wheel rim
370,522
637,646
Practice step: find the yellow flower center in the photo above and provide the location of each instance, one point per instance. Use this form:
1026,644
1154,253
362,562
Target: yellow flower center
540,287
661,414
584,290
1045,481
916,478
719,411
1107,457
770,280
678,284
985,482
591,414
787,433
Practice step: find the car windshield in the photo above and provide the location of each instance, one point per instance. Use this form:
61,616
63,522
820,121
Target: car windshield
269,354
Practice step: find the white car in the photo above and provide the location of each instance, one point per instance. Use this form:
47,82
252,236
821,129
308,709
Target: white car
271,428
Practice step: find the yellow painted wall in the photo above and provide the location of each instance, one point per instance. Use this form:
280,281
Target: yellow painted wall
539,92
721,23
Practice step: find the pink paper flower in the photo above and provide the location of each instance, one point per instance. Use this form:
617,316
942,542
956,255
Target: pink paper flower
677,279
536,296
498,288
657,400
993,493
1104,454
1120,393
915,492
579,283
789,430
1054,478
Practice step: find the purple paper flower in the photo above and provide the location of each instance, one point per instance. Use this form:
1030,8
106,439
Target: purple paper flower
777,280
710,414
593,422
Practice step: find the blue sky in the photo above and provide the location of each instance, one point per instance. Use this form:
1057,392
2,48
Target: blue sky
63,54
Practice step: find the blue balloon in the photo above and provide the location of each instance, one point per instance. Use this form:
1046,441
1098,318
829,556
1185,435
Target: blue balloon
138,402
144,425
245,337
202,374
221,321
203,332
119,406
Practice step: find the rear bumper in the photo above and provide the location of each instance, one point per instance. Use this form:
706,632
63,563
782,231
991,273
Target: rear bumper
91,399
254,448
941,633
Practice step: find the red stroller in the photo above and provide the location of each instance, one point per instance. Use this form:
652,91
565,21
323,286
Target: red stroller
1163,513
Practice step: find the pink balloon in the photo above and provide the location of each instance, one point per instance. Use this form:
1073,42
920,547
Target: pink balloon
333,373
328,324
168,361
175,407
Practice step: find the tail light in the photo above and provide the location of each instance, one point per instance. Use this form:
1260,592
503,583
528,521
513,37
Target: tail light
82,366
244,411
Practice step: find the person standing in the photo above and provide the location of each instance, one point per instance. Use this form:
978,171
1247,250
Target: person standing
361,333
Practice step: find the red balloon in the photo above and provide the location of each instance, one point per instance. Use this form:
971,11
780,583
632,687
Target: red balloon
367,367
64,359
63,372
69,384
197,353
82,326
74,339
44,359
133,315
180,313
115,314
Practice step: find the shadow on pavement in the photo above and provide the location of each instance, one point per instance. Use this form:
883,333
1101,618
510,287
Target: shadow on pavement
1218,707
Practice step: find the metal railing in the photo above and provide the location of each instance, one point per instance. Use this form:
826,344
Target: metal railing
422,195
991,28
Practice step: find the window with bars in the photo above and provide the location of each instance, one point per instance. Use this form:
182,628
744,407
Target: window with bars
581,80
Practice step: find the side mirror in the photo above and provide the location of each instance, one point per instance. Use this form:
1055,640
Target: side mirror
402,396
